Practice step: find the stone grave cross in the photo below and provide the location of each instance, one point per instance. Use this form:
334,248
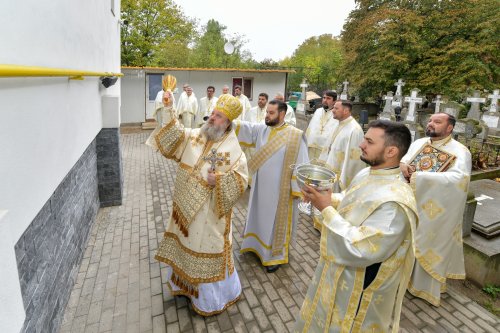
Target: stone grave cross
344,95
438,102
494,101
388,112
398,97
475,100
413,100
492,117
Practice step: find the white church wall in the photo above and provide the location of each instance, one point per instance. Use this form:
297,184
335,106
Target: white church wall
47,123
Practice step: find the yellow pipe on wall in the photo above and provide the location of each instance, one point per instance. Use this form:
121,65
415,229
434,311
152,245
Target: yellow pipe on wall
34,71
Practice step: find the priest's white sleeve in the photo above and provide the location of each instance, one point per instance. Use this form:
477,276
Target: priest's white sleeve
248,132
290,116
372,242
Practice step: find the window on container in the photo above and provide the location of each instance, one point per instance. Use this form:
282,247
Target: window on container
247,86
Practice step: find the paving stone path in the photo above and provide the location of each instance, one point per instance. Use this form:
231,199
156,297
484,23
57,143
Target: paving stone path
121,287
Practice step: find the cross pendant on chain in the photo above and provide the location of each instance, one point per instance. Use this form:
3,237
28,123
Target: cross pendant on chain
213,159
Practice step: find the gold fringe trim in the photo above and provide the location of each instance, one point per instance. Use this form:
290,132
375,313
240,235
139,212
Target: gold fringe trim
198,311
213,313
187,288
180,220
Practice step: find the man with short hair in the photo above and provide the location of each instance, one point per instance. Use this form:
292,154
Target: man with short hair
366,252
257,114
321,127
272,209
225,89
441,197
206,106
343,153
187,107
244,101
211,176
290,114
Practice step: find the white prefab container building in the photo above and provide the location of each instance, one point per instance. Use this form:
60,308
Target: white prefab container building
140,85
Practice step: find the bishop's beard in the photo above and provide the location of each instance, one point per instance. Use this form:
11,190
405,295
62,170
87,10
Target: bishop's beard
212,132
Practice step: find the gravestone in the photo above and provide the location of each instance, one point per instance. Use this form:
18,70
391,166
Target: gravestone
398,97
302,104
344,95
475,100
491,118
339,87
452,108
468,129
486,220
437,103
411,119
388,112
413,100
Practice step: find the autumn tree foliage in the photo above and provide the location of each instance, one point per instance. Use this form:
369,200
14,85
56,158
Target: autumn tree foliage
438,46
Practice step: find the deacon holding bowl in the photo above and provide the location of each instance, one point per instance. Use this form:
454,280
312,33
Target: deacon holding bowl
366,251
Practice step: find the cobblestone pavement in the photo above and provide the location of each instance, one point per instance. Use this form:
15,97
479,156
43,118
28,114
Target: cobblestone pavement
121,288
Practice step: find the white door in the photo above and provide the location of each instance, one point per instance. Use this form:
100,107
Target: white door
153,86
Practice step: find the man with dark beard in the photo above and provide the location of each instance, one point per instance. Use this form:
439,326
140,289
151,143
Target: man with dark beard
441,197
272,209
366,252
321,127
211,176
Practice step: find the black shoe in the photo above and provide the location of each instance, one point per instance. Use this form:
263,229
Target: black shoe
272,269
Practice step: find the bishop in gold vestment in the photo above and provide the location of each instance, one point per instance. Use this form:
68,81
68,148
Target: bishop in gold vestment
211,176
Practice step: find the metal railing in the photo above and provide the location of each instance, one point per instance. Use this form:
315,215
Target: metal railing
34,71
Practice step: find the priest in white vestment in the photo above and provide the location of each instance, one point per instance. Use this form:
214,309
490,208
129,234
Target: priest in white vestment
206,106
243,100
290,118
257,114
342,156
187,108
366,252
272,209
320,129
441,198
211,176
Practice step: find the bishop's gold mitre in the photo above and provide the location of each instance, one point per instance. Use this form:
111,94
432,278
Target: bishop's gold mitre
168,83
229,105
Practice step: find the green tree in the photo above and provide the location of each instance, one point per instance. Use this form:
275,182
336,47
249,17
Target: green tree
462,39
438,46
319,60
208,50
154,32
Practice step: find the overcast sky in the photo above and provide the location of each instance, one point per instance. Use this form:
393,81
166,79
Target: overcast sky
273,28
